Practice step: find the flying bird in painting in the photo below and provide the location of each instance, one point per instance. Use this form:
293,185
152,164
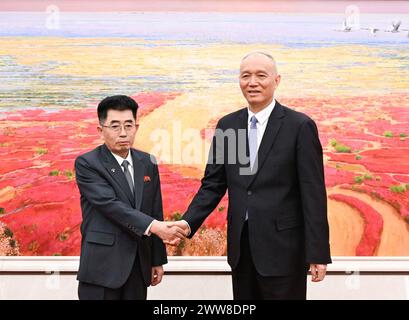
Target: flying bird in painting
395,27
345,27
372,30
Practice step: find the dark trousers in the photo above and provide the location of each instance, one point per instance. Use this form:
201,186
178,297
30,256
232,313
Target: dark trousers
248,284
133,289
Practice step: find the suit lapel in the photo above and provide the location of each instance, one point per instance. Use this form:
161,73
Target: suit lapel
243,125
116,172
272,129
243,121
139,173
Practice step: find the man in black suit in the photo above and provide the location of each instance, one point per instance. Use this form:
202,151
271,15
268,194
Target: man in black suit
121,250
277,215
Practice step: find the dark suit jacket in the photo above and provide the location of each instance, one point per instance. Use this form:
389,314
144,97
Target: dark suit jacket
285,198
114,221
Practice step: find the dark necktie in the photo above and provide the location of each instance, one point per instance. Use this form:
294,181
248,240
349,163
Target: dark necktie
125,165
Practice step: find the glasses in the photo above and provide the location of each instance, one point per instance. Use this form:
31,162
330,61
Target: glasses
128,127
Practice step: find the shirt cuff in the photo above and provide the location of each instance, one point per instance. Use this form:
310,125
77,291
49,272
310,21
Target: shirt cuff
148,229
190,230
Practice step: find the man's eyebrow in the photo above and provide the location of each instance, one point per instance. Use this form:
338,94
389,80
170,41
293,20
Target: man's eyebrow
255,72
117,121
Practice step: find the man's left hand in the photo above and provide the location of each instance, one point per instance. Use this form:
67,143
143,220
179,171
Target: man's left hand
157,274
318,272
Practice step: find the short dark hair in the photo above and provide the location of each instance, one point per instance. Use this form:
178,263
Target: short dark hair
119,102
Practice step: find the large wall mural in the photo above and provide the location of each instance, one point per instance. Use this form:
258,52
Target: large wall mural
348,70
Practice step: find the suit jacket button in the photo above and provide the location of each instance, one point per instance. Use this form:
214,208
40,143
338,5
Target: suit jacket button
249,193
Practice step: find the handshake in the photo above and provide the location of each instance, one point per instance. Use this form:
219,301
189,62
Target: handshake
171,232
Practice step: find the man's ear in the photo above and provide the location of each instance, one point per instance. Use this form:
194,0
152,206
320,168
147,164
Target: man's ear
277,80
99,129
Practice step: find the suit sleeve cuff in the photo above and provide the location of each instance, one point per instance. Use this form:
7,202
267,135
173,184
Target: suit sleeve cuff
190,230
148,229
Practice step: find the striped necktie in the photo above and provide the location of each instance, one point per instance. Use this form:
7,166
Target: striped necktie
125,165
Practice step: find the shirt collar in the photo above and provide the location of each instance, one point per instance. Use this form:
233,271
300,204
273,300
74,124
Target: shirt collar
264,114
120,159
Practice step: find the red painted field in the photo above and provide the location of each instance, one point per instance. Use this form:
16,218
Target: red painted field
365,143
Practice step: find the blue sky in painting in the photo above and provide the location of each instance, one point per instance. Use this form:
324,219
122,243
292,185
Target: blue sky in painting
196,28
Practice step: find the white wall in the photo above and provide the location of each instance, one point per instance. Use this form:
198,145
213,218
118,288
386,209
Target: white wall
206,278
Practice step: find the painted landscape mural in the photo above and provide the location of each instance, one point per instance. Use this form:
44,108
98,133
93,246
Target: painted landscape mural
347,69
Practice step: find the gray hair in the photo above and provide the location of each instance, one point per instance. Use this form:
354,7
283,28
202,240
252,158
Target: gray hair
254,53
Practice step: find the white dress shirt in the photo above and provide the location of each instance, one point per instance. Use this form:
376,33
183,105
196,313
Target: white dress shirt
129,159
262,119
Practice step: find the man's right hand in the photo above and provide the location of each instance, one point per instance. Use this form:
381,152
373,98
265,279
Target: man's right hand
186,230
169,232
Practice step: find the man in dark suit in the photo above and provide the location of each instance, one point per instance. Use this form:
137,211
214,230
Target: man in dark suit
277,214
121,250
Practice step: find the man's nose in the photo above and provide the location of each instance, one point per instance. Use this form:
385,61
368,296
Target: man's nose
253,81
123,132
